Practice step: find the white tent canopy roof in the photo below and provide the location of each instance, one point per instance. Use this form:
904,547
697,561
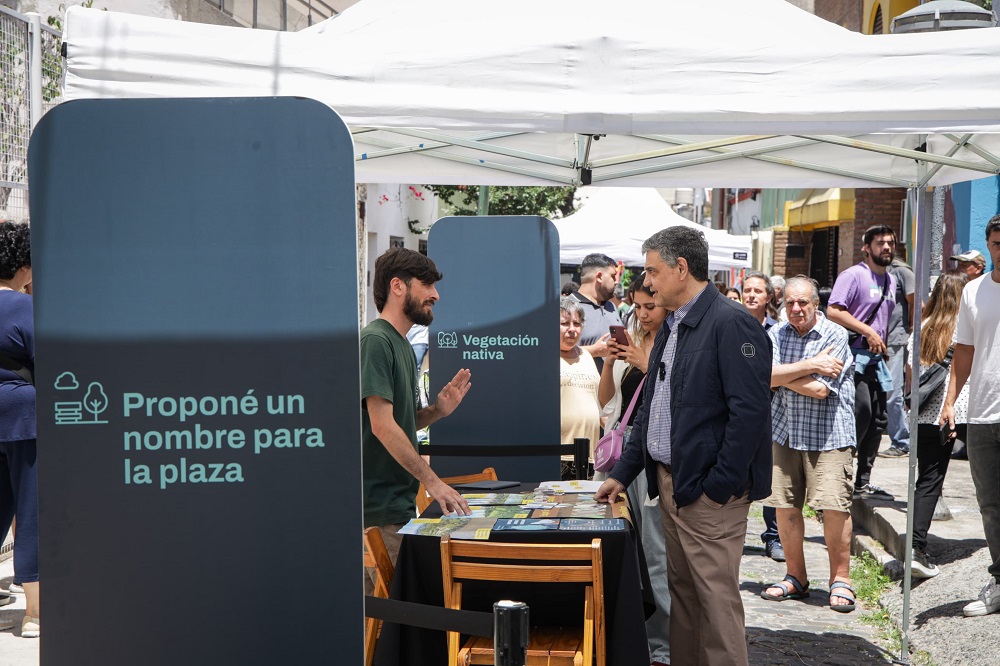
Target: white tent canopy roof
617,220
715,93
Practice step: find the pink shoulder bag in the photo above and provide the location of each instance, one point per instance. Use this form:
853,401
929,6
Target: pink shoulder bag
609,449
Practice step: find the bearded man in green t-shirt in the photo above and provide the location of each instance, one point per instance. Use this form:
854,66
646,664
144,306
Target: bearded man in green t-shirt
403,287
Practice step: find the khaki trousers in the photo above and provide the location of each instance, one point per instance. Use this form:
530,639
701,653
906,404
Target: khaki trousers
704,547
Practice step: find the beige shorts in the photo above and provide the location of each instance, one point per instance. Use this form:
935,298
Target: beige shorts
824,479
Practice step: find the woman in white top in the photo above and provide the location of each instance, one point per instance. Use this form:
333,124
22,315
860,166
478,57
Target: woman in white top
579,411
934,446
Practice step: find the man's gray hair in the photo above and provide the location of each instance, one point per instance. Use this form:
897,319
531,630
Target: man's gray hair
803,282
571,306
673,243
777,282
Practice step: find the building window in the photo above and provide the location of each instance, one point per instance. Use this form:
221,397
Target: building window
877,23
396,242
422,247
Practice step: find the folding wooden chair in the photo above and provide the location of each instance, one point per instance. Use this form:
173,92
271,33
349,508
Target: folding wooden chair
377,558
424,500
535,563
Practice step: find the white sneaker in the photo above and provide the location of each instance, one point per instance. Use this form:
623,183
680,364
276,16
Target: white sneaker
988,601
921,565
30,627
16,589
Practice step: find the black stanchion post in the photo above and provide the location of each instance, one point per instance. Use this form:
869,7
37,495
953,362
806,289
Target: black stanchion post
581,457
510,633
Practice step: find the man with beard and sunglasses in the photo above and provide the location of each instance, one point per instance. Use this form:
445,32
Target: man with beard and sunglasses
403,287
862,301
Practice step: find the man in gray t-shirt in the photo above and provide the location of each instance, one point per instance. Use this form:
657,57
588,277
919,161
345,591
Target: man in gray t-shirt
900,326
598,277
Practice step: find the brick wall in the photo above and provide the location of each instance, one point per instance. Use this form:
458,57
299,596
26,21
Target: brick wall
845,13
782,264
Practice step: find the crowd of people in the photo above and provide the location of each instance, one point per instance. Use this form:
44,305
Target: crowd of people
833,364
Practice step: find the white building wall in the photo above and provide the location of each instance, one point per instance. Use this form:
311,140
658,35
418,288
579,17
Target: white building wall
387,209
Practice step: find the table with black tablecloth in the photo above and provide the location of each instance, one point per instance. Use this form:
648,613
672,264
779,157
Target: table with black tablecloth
418,579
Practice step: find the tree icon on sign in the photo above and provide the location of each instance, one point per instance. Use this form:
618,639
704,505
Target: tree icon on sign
95,401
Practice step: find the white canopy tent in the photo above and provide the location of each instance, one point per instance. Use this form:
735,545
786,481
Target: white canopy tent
674,93
717,93
616,221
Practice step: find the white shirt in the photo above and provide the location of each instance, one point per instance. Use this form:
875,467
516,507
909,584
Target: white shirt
979,326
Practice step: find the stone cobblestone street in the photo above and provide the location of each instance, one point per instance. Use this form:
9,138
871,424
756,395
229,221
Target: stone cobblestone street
806,631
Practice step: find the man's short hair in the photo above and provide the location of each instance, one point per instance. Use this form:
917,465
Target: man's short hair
673,243
777,281
15,248
404,264
992,225
594,262
803,281
569,288
877,230
768,283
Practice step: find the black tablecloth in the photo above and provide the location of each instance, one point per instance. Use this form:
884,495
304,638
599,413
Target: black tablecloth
418,579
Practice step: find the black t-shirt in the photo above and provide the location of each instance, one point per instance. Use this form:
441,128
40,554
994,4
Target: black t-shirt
630,382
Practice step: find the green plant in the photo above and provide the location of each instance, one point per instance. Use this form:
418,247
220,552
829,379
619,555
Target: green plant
550,202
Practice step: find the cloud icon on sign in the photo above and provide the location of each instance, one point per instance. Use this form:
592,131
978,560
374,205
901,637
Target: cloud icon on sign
67,382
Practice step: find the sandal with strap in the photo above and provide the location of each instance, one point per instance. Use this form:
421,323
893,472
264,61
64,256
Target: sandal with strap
842,608
792,589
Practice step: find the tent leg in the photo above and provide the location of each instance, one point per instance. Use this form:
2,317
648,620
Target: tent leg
917,196
484,200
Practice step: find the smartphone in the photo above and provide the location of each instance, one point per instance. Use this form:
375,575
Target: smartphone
618,335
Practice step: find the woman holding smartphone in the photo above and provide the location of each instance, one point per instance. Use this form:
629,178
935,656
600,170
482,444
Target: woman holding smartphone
621,376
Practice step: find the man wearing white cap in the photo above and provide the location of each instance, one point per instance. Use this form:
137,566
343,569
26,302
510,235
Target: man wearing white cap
972,263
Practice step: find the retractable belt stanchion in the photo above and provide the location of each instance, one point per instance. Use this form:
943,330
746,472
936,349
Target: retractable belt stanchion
510,633
581,456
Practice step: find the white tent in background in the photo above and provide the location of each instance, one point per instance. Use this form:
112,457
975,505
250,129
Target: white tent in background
616,221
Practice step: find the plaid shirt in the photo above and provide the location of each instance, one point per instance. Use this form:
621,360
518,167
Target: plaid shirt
813,424
659,424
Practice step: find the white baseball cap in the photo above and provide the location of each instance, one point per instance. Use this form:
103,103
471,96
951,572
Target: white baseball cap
971,255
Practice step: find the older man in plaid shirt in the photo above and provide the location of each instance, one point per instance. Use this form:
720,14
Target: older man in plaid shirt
812,418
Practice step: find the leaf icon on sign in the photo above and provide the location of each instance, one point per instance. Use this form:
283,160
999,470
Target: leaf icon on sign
95,401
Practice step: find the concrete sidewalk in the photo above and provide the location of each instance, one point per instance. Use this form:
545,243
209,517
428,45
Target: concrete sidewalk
14,650
959,549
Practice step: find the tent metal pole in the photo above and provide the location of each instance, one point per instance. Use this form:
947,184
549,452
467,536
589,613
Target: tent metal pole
922,265
969,145
478,144
904,152
959,143
484,200
680,149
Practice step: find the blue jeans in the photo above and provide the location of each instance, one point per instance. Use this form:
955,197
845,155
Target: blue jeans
655,549
19,496
898,427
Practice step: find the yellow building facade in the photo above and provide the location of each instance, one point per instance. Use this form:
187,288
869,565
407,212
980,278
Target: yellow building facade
877,15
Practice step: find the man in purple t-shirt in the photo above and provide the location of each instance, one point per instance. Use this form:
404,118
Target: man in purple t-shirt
857,304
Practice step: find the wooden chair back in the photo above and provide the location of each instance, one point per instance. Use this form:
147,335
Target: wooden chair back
533,563
424,500
377,558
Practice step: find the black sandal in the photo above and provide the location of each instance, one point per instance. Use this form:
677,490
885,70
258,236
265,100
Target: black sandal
793,589
843,608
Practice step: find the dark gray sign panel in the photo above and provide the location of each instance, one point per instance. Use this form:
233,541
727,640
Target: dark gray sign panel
499,317
197,375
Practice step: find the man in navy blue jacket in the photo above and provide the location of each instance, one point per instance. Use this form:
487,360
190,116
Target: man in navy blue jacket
703,435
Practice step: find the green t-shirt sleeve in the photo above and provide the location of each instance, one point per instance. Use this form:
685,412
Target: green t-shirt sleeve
376,367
